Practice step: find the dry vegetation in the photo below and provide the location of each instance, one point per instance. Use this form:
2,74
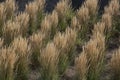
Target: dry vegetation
49,43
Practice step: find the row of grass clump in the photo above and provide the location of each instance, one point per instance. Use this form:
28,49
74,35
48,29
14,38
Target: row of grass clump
48,42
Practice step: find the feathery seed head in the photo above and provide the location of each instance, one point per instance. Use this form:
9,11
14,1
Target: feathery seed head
75,24
23,20
11,30
8,58
107,19
62,7
60,41
71,35
21,47
99,27
92,6
36,41
54,18
115,64
49,60
113,7
32,9
1,42
40,4
46,25
81,66
10,7
83,14
2,14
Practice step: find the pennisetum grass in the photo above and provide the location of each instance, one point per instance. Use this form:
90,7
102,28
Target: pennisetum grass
49,24
115,65
10,7
94,50
109,17
32,9
23,20
1,42
8,58
60,42
83,17
22,49
37,41
11,30
65,14
81,67
65,42
49,61
2,17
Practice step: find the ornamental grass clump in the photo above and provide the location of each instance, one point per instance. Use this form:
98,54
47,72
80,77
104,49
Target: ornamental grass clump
83,17
10,7
8,58
23,20
11,30
40,12
49,24
22,49
65,14
37,41
115,65
2,17
54,23
46,26
71,36
65,43
49,63
113,7
95,50
60,42
99,27
32,9
75,24
110,17
1,43
92,6
81,67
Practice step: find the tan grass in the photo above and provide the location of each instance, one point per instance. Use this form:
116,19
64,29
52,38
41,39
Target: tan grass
62,8
41,4
10,7
54,18
22,50
113,8
99,27
95,51
115,65
65,41
92,6
71,36
46,25
11,30
83,14
2,14
107,19
49,61
23,20
81,67
8,59
75,24
1,42
32,9
37,41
